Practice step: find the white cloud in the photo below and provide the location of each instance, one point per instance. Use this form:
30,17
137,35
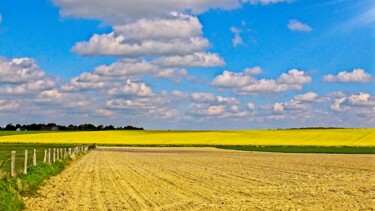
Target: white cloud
266,2
361,99
202,97
127,69
237,39
361,102
251,106
112,45
357,76
21,76
296,25
179,35
231,79
182,26
134,88
205,97
278,107
308,97
246,83
294,77
86,81
192,60
117,11
19,70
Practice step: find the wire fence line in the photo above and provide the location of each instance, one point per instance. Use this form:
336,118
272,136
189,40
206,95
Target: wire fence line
17,160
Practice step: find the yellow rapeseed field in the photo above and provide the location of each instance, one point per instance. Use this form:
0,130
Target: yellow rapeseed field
325,137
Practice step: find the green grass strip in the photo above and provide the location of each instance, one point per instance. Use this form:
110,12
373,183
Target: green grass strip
12,189
284,149
304,149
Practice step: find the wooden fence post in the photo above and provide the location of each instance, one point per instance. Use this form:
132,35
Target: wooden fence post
49,155
25,163
12,163
58,153
34,157
54,155
45,156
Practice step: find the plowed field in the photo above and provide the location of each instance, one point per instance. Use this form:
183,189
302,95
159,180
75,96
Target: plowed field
208,178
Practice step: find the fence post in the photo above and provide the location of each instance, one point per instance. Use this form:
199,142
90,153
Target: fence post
54,155
25,163
49,155
12,163
58,153
34,157
45,156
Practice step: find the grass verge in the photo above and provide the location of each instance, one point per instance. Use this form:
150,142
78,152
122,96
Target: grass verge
12,189
304,149
259,148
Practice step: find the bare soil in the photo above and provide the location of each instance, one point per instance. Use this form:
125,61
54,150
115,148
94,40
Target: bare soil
209,179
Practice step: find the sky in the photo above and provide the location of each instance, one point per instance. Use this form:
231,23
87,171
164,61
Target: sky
188,65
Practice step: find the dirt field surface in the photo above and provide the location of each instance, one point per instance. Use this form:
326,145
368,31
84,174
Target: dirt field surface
209,179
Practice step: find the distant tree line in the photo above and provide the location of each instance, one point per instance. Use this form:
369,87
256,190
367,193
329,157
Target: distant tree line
53,126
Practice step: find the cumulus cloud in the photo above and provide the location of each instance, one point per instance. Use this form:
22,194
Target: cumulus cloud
179,35
356,102
23,76
107,76
112,45
356,76
181,26
119,12
116,11
308,97
19,70
86,81
246,83
205,97
278,107
135,88
231,79
296,25
192,60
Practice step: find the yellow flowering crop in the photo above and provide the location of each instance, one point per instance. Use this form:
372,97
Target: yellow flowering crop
325,137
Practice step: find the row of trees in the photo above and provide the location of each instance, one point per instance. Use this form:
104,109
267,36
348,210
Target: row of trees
53,126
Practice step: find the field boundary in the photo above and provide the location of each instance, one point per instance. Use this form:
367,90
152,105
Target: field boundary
267,148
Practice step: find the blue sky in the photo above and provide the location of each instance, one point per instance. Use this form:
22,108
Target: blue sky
193,65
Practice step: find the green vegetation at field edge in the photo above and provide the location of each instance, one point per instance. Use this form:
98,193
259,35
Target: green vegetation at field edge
5,154
12,189
284,149
304,149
